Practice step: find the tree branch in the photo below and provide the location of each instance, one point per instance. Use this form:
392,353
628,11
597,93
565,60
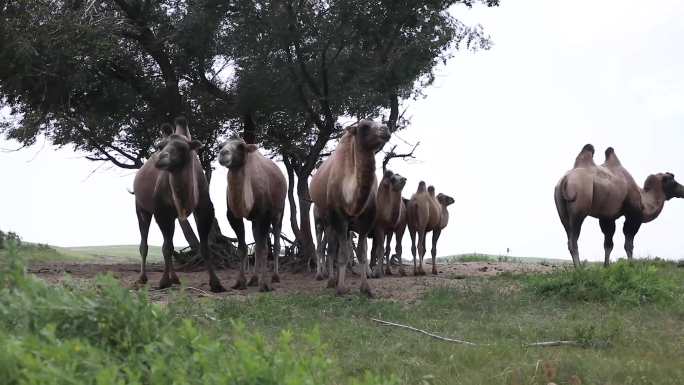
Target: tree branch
392,155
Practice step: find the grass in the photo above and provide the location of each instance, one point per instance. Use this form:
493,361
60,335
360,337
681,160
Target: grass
117,253
627,319
477,257
31,252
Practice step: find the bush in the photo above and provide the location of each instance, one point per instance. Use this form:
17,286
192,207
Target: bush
622,282
105,334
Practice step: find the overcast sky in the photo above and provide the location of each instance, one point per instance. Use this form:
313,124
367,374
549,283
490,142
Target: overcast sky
497,131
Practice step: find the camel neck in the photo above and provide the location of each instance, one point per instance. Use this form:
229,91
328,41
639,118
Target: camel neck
388,203
652,202
184,190
363,169
237,192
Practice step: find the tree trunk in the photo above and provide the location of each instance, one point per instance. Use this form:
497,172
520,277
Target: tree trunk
291,198
189,234
308,249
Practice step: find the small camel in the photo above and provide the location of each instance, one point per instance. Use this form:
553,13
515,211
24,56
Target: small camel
389,212
171,184
427,213
343,189
608,192
256,191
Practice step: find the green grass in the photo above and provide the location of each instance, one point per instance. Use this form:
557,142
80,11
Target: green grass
31,252
116,253
477,257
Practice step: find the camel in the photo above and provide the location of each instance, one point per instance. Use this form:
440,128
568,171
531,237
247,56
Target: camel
427,213
343,189
256,192
608,192
389,212
398,231
171,184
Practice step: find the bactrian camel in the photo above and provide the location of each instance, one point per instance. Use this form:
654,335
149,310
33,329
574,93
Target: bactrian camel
343,188
608,192
389,214
426,213
256,191
171,184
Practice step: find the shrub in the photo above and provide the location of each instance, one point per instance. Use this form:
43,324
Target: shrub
622,282
104,334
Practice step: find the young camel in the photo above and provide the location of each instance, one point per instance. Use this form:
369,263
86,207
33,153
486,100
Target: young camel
608,192
343,189
256,191
171,184
389,212
427,213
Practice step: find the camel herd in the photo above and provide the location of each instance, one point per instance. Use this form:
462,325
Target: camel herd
348,198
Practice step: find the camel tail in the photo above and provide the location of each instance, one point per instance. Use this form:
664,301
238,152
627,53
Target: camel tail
565,193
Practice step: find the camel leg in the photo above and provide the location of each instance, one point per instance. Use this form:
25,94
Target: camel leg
398,250
361,254
276,247
412,234
144,221
573,230
320,253
421,251
341,226
260,231
630,229
608,229
435,238
204,219
377,252
167,227
238,227
387,251
331,254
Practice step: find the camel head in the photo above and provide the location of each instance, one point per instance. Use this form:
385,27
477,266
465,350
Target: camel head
233,153
665,181
395,181
174,150
445,200
370,135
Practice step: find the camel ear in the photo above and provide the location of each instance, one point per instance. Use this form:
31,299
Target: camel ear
352,129
388,174
195,145
251,147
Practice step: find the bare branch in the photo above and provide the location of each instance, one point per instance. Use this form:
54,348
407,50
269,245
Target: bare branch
392,155
426,333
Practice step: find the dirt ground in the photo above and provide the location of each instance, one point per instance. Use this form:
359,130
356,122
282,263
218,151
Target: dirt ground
405,289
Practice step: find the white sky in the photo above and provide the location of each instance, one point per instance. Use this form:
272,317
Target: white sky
497,131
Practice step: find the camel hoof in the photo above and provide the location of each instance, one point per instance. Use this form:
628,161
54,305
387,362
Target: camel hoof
402,273
254,281
319,277
275,278
241,284
388,271
366,290
332,284
141,280
175,280
342,290
216,287
434,271
164,283
265,288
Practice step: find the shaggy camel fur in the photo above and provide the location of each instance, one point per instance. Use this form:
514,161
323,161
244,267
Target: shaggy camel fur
389,211
170,185
256,191
608,192
427,213
343,189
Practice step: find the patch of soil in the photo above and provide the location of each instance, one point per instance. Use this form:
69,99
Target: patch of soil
394,287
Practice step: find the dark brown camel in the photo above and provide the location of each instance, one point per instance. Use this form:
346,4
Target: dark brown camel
171,184
389,212
427,213
256,191
608,192
343,189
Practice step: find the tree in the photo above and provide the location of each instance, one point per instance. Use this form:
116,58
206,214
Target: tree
307,64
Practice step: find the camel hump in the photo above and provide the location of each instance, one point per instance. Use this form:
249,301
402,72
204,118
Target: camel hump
421,186
182,127
431,190
586,157
611,157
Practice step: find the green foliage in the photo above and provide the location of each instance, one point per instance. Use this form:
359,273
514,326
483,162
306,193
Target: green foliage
104,334
622,282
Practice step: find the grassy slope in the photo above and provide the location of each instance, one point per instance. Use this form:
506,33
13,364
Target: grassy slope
645,343
122,253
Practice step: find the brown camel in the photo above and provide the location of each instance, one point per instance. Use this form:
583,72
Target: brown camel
427,213
389,212
398,232
343,189
608,192
256,191
170,185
